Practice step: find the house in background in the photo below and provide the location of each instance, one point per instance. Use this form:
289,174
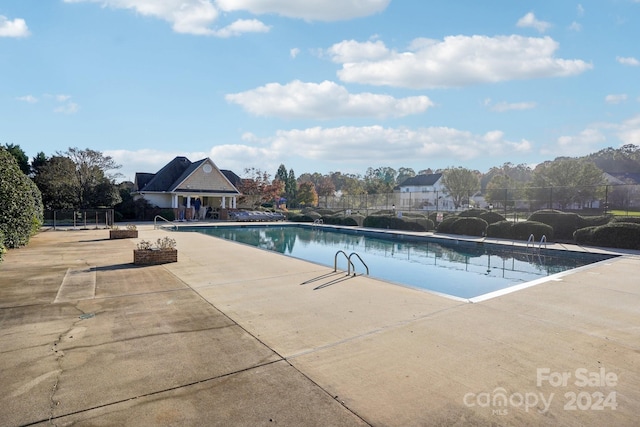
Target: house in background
183,185
424,192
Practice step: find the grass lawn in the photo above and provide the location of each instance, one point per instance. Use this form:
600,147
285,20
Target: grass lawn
624,213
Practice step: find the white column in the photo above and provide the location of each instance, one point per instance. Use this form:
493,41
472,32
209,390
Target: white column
224,202
233,202
174,201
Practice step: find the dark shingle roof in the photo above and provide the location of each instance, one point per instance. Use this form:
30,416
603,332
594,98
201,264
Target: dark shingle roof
234,179
421,180
167,176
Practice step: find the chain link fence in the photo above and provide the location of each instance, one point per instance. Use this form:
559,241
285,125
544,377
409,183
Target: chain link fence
623,199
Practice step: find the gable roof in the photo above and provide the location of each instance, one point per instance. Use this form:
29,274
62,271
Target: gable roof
421,180
165,177
174,174
627,177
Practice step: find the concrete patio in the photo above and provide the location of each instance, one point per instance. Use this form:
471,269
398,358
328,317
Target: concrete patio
232,335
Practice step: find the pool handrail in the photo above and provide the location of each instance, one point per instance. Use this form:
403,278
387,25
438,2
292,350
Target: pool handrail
155,225
349,262
360,258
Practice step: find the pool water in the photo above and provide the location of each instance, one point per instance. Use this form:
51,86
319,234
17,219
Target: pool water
457,268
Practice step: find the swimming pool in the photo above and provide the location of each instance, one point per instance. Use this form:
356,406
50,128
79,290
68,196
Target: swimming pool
456,268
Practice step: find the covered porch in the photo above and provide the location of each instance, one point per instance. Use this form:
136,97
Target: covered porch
200,206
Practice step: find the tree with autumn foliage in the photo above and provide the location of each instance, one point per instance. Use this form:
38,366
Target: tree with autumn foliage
258,188
307,194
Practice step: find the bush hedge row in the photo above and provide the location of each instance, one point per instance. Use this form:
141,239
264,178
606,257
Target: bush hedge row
2,249
395,223
21,210
623,235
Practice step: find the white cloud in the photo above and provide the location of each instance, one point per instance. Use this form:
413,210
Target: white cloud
629,130
530,21
595,136
28,98
453,62
501,107
575,26
294,52
310,10
615,99
67,108
185,16
629,60
342,147
242,26
326,100
15,28
383,144
580,10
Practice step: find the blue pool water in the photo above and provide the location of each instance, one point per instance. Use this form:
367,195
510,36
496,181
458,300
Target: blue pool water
457,268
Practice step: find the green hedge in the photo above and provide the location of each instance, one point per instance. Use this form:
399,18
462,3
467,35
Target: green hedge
472,213
564,224
446,225
395,223
621,235
500,230
301,218
338,219
492,217
593,221
627,219
21,211
470,226
522,230
2,249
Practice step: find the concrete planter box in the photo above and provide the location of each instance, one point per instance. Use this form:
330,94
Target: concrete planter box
123,234
154,256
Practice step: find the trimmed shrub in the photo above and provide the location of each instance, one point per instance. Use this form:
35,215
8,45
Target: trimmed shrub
392,222
564,224
472,213
500,230
301,218
522,230
2,249
627,219
353,220
621,235
446,225
492,217
593,221
21,210
433,216
469,226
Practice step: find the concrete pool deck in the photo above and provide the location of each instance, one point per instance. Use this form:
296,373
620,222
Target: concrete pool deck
233,335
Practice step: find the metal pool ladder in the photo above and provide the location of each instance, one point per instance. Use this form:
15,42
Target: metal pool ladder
543,240
349,262
156,226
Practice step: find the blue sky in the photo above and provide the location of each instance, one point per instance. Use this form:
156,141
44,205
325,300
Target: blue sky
320,85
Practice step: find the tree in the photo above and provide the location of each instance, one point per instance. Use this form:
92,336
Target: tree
565,181
21,212
21,158
380,180
291,187
92,177
326,188
307,194
257,187
504,185
460,183
404,174
56,179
